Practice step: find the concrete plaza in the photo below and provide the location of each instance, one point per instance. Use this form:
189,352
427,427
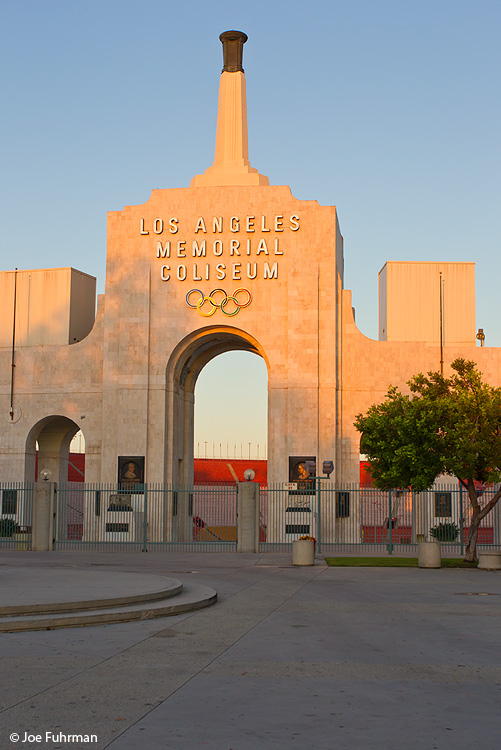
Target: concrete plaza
313,658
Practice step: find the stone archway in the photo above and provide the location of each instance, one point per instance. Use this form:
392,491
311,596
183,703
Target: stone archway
185,365
54,435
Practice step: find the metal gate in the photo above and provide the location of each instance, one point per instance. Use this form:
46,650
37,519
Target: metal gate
16,519
146,517
349,518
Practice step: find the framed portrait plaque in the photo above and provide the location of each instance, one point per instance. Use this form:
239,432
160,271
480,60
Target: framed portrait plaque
131,473
299,475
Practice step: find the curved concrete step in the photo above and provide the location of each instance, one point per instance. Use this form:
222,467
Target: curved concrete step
43,590
174,587
193,597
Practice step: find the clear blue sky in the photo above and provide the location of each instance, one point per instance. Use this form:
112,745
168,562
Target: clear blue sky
388,110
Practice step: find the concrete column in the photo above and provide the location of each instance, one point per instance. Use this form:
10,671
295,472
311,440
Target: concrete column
248,517
43,516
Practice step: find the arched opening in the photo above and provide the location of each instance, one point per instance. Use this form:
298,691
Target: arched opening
48,448
184,367
76,460
231,417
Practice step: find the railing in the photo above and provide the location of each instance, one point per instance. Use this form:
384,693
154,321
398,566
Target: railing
341,518
146,517
361,518
16,514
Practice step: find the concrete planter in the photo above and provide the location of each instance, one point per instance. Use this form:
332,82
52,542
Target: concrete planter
429,555
303,552
489,560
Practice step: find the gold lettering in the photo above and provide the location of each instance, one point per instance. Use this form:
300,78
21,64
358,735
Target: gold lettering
262,247
200,227
199,251
163,251
271,273
251,274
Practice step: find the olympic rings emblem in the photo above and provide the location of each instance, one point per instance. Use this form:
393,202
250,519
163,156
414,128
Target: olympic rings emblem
218,299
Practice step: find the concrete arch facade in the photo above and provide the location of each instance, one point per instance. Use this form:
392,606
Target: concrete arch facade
267,272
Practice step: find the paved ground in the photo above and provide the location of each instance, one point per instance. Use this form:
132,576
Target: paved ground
312,658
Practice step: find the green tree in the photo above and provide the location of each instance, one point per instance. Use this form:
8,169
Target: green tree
445,426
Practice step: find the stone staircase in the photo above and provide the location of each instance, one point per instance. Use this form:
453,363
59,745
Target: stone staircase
58,606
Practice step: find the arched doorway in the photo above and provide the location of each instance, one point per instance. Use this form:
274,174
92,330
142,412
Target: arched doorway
185,365
231,398
53,434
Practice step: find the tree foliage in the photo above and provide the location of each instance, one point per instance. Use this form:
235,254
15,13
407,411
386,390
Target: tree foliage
446,425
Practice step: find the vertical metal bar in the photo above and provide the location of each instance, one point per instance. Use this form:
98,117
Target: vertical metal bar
441,328
390,525
361,500
461,517
13,357
145,519
319,501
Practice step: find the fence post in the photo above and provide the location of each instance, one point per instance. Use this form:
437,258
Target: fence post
43,516
248,517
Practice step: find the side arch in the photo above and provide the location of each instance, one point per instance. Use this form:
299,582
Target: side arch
54,434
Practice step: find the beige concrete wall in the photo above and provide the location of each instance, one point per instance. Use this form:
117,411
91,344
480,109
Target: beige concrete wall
52,381
53,306
82,305
288,315
370,367
409,302
129,384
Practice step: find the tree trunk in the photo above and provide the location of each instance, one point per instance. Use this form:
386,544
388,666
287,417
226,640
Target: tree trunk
471,544
478,515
